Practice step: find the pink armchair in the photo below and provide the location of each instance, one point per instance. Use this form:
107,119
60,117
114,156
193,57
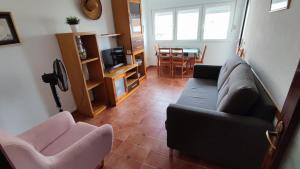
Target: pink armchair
58,143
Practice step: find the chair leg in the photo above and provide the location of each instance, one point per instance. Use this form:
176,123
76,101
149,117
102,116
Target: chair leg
159,70
171,70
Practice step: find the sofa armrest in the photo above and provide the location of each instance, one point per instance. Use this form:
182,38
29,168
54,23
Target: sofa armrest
207,71
90,149
45,133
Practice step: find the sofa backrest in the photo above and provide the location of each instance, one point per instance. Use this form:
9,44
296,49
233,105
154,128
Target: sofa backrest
239,93
264,108
227,68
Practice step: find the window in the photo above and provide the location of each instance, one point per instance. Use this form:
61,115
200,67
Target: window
187,24
163,23
216,22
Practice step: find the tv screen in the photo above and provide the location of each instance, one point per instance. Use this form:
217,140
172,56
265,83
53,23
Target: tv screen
113,58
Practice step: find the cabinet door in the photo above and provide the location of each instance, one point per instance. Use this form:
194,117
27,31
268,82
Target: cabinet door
120,88
135,18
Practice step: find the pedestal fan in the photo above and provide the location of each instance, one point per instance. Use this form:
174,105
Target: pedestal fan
59,78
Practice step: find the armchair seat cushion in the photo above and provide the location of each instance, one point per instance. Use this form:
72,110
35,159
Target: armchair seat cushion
70,137
200,93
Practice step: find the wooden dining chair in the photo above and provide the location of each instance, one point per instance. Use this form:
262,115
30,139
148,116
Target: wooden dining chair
156,48
178,61
198,59
240,52
164,59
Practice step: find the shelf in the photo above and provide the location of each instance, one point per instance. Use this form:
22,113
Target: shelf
130,74
131,81
142,78
92,84
109,35
98,107
85,61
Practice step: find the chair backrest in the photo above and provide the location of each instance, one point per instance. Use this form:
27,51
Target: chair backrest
202,55
164,55
177,54
165,51
156,48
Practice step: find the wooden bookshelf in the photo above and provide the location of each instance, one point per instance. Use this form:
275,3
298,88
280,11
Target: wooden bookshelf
86,75
128,22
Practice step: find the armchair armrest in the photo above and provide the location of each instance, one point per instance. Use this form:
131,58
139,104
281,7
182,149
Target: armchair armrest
207,71
45,133
90,149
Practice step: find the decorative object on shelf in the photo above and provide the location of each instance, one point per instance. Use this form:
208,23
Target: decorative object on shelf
91,8
139,61
73,21
81,50
8,33
277,5
129,59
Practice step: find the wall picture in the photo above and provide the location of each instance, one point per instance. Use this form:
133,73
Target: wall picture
277,5
8,33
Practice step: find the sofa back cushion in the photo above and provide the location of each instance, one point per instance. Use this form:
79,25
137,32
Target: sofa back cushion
227,68
239,92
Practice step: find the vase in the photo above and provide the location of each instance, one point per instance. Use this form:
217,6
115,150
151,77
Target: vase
74,28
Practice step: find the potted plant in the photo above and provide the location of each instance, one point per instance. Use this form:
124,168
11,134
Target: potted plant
73,21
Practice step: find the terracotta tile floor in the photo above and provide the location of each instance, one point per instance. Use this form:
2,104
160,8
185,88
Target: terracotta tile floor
138,123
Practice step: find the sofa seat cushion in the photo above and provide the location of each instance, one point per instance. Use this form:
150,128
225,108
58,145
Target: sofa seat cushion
68,138
239,92
227,68
201,93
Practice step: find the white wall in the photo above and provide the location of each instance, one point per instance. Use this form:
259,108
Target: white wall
291,159
217,52
24,99
272,43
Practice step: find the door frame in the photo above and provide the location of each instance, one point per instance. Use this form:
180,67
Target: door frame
290,118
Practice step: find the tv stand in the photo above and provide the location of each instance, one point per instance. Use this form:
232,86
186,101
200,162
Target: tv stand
121,83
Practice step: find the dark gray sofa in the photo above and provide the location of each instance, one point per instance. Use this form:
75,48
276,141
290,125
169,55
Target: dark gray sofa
222,116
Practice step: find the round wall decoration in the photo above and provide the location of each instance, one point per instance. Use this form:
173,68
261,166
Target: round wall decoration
91,8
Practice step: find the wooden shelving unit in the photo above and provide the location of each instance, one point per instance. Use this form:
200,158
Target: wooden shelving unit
128,22
88,86
85,61
121,83
109,35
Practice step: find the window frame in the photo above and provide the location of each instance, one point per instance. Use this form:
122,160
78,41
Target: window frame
154,23
201,21
230,25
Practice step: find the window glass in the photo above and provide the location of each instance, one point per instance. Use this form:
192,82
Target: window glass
187,24
163,23
216,22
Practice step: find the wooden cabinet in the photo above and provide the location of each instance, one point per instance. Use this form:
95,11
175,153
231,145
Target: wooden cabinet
121,83
128,23
86,75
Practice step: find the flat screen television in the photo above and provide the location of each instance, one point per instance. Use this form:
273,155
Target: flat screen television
113,58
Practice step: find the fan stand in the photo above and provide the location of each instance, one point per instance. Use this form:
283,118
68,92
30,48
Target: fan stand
56,97
51,78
